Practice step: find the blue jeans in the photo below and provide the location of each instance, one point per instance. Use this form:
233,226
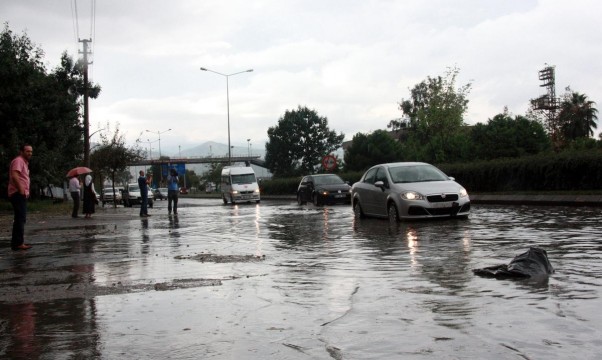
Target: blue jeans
19,204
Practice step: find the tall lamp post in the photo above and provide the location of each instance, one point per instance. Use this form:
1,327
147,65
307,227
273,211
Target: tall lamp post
160,167
159,134
227,104
249,147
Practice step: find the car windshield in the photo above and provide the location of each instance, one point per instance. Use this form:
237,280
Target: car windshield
243,179
163,190
328,180
416,173
134,188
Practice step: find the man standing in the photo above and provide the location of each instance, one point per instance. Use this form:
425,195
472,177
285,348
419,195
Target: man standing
74,189
18,192
172,191
143,183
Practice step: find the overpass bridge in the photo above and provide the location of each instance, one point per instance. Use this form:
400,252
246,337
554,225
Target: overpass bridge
255,160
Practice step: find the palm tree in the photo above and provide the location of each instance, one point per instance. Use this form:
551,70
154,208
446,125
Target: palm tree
577,116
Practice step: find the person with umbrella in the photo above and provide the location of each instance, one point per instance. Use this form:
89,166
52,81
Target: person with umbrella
74,188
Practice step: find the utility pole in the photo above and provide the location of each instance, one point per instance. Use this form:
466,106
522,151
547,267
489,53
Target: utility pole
85,52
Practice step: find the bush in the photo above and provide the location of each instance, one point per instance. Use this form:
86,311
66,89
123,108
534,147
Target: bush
566,171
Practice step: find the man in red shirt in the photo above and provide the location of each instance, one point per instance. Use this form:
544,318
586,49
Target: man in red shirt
18,192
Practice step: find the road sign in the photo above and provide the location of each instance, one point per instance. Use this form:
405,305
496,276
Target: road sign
329,162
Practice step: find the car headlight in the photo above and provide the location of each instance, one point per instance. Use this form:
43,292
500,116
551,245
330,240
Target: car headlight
463,192
324,192
411,195
234,192
257,191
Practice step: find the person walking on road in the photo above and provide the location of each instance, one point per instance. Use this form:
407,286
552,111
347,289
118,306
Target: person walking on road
18,192
143,183
89,196
74,189
172,191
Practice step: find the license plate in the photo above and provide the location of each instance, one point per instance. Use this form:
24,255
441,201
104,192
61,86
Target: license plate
442,205
245,197
339,195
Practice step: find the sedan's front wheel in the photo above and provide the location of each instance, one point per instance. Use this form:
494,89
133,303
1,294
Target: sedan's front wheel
300,201
392,212
357,210
316,200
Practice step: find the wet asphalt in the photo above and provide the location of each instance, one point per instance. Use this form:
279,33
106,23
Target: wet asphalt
280,281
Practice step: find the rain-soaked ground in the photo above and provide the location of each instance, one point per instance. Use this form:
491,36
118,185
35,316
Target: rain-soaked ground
280,281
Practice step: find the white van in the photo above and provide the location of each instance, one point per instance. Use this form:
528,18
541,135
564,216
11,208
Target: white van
239,184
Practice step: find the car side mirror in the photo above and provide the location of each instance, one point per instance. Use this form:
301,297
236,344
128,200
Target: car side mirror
380,184
452,178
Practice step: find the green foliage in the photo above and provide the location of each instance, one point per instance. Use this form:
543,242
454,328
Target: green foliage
577,117
504,136
434,117
568,170
111,158
368,150
36,108
298,143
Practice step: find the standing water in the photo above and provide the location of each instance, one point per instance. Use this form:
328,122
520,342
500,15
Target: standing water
280,281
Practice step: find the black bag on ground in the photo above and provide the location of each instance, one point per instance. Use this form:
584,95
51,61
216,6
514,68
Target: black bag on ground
533,262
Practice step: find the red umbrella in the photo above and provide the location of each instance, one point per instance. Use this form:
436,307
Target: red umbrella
78,171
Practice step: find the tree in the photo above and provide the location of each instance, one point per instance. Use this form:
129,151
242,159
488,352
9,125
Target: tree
434,117
577,116
37,108
504,136
298,143
112,157
367,150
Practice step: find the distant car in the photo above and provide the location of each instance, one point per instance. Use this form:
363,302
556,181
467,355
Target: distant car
323,189
408,190
183,191
160,193
132,196
106,195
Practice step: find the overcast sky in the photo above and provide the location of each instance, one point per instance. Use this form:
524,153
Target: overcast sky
351,61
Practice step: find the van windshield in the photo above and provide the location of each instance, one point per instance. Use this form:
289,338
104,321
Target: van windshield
243,179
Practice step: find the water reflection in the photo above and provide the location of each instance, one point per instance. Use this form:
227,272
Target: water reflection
330,285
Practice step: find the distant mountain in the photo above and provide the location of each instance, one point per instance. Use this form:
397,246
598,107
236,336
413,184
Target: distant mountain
212,148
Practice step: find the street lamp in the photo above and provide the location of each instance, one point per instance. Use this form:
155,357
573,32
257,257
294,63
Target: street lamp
227,104
249,147
159,133
160,167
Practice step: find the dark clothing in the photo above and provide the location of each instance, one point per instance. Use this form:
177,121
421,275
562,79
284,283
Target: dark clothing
144,195
172,193
89,199
172,197
19,204
75,197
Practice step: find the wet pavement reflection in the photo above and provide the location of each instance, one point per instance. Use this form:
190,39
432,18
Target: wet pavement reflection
280,281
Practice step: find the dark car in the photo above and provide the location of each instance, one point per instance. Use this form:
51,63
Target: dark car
323,189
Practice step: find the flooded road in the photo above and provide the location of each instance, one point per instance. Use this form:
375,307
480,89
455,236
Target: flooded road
280,281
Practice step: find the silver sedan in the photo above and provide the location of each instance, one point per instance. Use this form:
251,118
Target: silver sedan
408,190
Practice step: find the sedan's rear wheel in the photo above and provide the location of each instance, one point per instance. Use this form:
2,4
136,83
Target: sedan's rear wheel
392,212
